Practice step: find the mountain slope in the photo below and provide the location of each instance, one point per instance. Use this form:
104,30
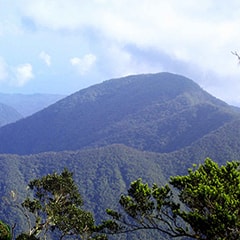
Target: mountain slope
8,114
164,113
153,112
102,174
27,104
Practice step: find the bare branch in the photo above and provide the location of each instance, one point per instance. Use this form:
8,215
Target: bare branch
236,54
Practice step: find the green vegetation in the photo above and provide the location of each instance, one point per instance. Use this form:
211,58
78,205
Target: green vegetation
153,112
212,194
57,205
102,174
206,205
5,231
149,126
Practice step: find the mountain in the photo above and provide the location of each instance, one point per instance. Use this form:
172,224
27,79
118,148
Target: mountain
102,174
8,114
150,126
153,112
27,104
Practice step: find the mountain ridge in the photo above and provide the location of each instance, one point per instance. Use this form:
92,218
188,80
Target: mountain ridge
116,132
28,104
146,112
8,114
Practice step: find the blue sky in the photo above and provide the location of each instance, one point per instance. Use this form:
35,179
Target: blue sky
62,46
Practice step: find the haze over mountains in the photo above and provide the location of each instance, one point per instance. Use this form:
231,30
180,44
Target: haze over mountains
8,114
150,126
27,104
16,106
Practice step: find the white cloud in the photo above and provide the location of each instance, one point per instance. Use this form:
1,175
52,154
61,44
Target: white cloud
45,57
199,35
23,74
16,76
84,64
121,62
7,27
58,14
201,32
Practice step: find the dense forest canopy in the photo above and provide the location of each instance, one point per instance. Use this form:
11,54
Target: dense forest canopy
160,112
150,126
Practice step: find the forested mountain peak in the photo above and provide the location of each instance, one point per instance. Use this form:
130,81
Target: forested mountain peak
146,86
149,126
160,112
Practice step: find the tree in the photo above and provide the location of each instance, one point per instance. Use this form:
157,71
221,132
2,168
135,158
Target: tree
57,205
5,231
212,195
201,205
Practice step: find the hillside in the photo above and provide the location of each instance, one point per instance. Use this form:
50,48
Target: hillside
8,114
153,112
102,174
151,126
27,104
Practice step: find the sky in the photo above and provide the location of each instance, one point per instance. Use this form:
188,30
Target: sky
62,46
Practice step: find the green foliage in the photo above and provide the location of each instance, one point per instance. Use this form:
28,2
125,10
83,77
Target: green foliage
57,205
212,195
154,112
146,207
206,206
5,231
159,112
25,236
107,171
